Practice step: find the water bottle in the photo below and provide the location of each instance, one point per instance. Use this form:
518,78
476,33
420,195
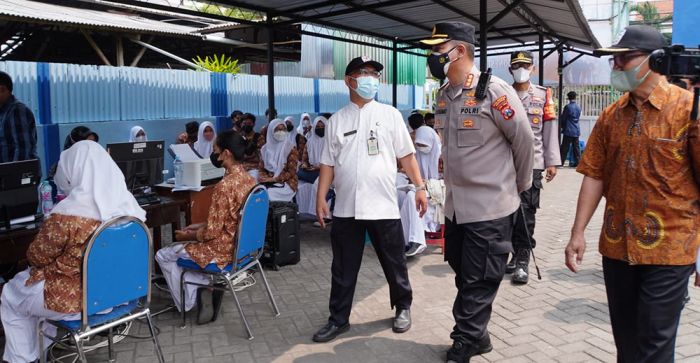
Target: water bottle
46,197
179,173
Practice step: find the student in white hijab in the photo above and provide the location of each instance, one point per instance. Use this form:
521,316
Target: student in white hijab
305,125
279,160
205,139
428,156
428,149
137,134
95,192
291,131
310,166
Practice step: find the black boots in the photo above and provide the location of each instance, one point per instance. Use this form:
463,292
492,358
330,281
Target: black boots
521,261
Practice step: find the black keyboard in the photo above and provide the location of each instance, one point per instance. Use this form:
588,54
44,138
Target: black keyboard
147,199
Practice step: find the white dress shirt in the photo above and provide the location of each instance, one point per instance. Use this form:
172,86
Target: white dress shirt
365,184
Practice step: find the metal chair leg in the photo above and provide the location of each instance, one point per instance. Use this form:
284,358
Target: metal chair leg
79,347
240,310
40,334
110,347
151,327
182,298
269,291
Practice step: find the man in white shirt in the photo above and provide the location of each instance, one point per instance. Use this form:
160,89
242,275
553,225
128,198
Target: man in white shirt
363,141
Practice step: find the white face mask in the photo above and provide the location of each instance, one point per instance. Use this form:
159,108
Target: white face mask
280,135
521,75
424,149
140,139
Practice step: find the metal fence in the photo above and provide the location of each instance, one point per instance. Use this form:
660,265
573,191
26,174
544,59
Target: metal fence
86,93
592,99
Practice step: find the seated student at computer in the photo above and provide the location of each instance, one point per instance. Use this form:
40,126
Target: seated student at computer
213,240
51,287
205,139
137,134
278,167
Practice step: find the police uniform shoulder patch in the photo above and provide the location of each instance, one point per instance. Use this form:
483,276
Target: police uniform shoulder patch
502,105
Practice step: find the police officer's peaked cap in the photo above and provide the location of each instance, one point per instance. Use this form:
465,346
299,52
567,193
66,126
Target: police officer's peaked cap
521,56
450,30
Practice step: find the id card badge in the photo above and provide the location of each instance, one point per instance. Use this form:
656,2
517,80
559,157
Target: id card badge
372,144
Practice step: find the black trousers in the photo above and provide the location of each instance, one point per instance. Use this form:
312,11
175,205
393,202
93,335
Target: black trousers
478,254
645,303
530,202
348,243
570,141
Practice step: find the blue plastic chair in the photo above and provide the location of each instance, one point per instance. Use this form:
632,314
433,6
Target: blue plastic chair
116,275
250,244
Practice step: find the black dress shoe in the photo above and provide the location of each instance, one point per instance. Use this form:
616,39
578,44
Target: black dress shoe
485,345
461,352
402,321
329,332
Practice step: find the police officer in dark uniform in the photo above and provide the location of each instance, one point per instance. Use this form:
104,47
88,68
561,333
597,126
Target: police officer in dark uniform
488,154
537,101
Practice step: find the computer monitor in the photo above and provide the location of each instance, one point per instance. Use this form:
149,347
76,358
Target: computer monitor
141,163
19,194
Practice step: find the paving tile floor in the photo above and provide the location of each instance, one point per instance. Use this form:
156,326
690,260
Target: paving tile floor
562,318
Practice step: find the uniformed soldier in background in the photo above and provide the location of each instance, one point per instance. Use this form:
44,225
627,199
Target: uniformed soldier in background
488,154
537,101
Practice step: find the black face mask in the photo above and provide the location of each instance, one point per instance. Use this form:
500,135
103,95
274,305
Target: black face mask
320,132
290,127
436,63
214,158
247,128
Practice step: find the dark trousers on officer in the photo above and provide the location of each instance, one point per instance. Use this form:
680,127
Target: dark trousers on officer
478,253
348,243
566,143
530,202
645,303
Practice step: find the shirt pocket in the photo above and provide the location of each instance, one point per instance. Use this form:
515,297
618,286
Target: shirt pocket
469,132
668,157
534,114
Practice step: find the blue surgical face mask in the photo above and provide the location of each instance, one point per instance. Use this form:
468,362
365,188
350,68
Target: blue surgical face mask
367,87
626,81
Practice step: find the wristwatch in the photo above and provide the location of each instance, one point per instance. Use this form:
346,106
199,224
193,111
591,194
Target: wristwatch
421,187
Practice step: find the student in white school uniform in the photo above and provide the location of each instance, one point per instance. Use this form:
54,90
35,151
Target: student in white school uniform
363,141
50,287
310,167
278,164
205,139
137,134
428,156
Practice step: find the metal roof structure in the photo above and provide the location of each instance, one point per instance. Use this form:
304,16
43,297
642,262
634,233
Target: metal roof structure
41,12
503,21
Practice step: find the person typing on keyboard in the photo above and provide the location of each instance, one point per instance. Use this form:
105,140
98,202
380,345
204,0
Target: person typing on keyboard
210,242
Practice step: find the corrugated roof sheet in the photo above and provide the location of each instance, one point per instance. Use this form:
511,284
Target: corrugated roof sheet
413,19
41,12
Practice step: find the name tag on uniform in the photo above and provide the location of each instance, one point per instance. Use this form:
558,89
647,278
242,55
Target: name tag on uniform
349,133
372,144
